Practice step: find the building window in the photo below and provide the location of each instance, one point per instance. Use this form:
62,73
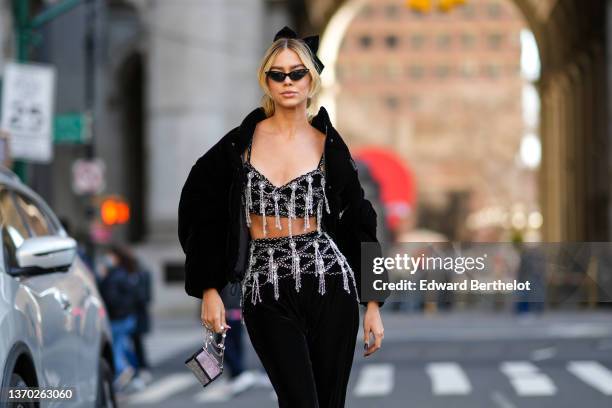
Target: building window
492,71
365,41
416,71
365,71
391,41
392,11
495,10
366,12
468,40
469,11
495,40
444,41
417,41
442,71
393,70
468,69
391,102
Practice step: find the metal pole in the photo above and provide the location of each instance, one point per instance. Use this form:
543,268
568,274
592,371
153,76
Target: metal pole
24,27
23,35
52,12
90,95
90,77
608,103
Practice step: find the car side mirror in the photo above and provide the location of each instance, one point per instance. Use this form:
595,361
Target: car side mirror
39,255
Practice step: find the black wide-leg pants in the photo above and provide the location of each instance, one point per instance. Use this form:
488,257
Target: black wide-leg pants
305,340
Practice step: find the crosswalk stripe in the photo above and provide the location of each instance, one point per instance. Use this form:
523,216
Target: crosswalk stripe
448,378
592,373
375,380
163,388
527,380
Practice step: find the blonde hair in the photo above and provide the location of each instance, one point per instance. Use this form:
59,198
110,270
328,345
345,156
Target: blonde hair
304,53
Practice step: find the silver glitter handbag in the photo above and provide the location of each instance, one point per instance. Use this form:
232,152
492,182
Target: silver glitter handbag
207,362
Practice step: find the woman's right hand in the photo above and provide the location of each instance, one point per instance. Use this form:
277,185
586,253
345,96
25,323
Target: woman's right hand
213,311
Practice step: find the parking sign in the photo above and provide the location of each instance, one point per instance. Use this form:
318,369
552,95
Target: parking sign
27,110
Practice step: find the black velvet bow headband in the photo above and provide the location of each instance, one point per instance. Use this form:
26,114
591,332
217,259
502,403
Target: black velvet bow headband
312,42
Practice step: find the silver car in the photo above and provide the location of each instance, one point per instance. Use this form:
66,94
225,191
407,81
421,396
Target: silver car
54,329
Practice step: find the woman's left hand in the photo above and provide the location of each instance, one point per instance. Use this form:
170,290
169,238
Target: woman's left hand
372,323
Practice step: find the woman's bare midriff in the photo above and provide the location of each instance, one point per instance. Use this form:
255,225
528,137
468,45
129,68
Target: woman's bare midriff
297,226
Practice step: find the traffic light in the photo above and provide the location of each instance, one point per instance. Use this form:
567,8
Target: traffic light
425,6
448,5
114,210
422,6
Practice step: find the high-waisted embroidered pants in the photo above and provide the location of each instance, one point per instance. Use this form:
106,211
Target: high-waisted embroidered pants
303,328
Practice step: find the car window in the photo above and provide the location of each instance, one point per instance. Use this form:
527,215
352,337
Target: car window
11,219
14,231
35,217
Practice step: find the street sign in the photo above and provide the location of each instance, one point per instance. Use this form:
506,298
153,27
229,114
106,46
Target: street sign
72,128
27,110
88,176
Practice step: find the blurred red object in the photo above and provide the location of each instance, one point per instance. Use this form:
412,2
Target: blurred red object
397,185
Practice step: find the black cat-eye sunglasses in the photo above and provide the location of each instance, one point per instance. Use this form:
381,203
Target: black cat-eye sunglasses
279,76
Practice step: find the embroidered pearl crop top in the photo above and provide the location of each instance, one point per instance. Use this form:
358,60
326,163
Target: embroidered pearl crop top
298,198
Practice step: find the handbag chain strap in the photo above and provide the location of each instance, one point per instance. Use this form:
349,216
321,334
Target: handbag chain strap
217,348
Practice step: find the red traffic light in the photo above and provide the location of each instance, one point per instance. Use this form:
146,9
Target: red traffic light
114,211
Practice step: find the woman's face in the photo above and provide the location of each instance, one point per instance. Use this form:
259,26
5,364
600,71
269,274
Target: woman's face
288,93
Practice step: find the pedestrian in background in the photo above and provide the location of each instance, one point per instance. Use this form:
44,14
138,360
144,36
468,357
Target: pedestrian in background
139,357
119,289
